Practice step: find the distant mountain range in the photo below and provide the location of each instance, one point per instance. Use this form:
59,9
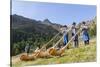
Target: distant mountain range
27,27
20,21
31,26
36,32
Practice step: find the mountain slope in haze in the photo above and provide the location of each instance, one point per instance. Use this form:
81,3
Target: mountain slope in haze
49,23
31,26
34,32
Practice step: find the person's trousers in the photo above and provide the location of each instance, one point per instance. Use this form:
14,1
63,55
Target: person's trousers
86,42
65,39
75,40
75,43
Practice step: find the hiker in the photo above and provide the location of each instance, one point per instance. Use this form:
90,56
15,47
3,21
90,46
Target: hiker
27,48
85,34
65,34
74,31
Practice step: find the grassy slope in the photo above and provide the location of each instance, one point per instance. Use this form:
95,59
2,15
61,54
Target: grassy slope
81,54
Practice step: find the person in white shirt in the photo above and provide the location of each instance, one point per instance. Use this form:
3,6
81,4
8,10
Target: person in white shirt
74,31
65,34
27,48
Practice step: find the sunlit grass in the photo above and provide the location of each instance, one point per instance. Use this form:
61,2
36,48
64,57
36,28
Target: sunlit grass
73,55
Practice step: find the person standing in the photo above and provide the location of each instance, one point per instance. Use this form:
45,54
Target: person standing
74,31
85,34
65,35
27,48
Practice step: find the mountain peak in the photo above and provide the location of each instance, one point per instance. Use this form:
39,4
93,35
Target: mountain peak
47,22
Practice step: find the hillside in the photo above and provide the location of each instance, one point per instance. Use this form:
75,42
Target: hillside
37,33
34,32
81,54
49,23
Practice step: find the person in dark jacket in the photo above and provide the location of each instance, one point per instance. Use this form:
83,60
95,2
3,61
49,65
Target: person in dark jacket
74,31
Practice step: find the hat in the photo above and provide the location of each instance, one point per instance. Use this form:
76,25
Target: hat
74,23
65,26
83,22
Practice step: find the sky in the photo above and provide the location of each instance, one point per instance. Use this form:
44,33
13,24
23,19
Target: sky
55,12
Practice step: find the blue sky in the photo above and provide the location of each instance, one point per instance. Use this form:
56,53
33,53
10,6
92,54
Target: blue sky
55,12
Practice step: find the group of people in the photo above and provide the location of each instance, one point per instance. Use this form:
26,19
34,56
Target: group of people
74,30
